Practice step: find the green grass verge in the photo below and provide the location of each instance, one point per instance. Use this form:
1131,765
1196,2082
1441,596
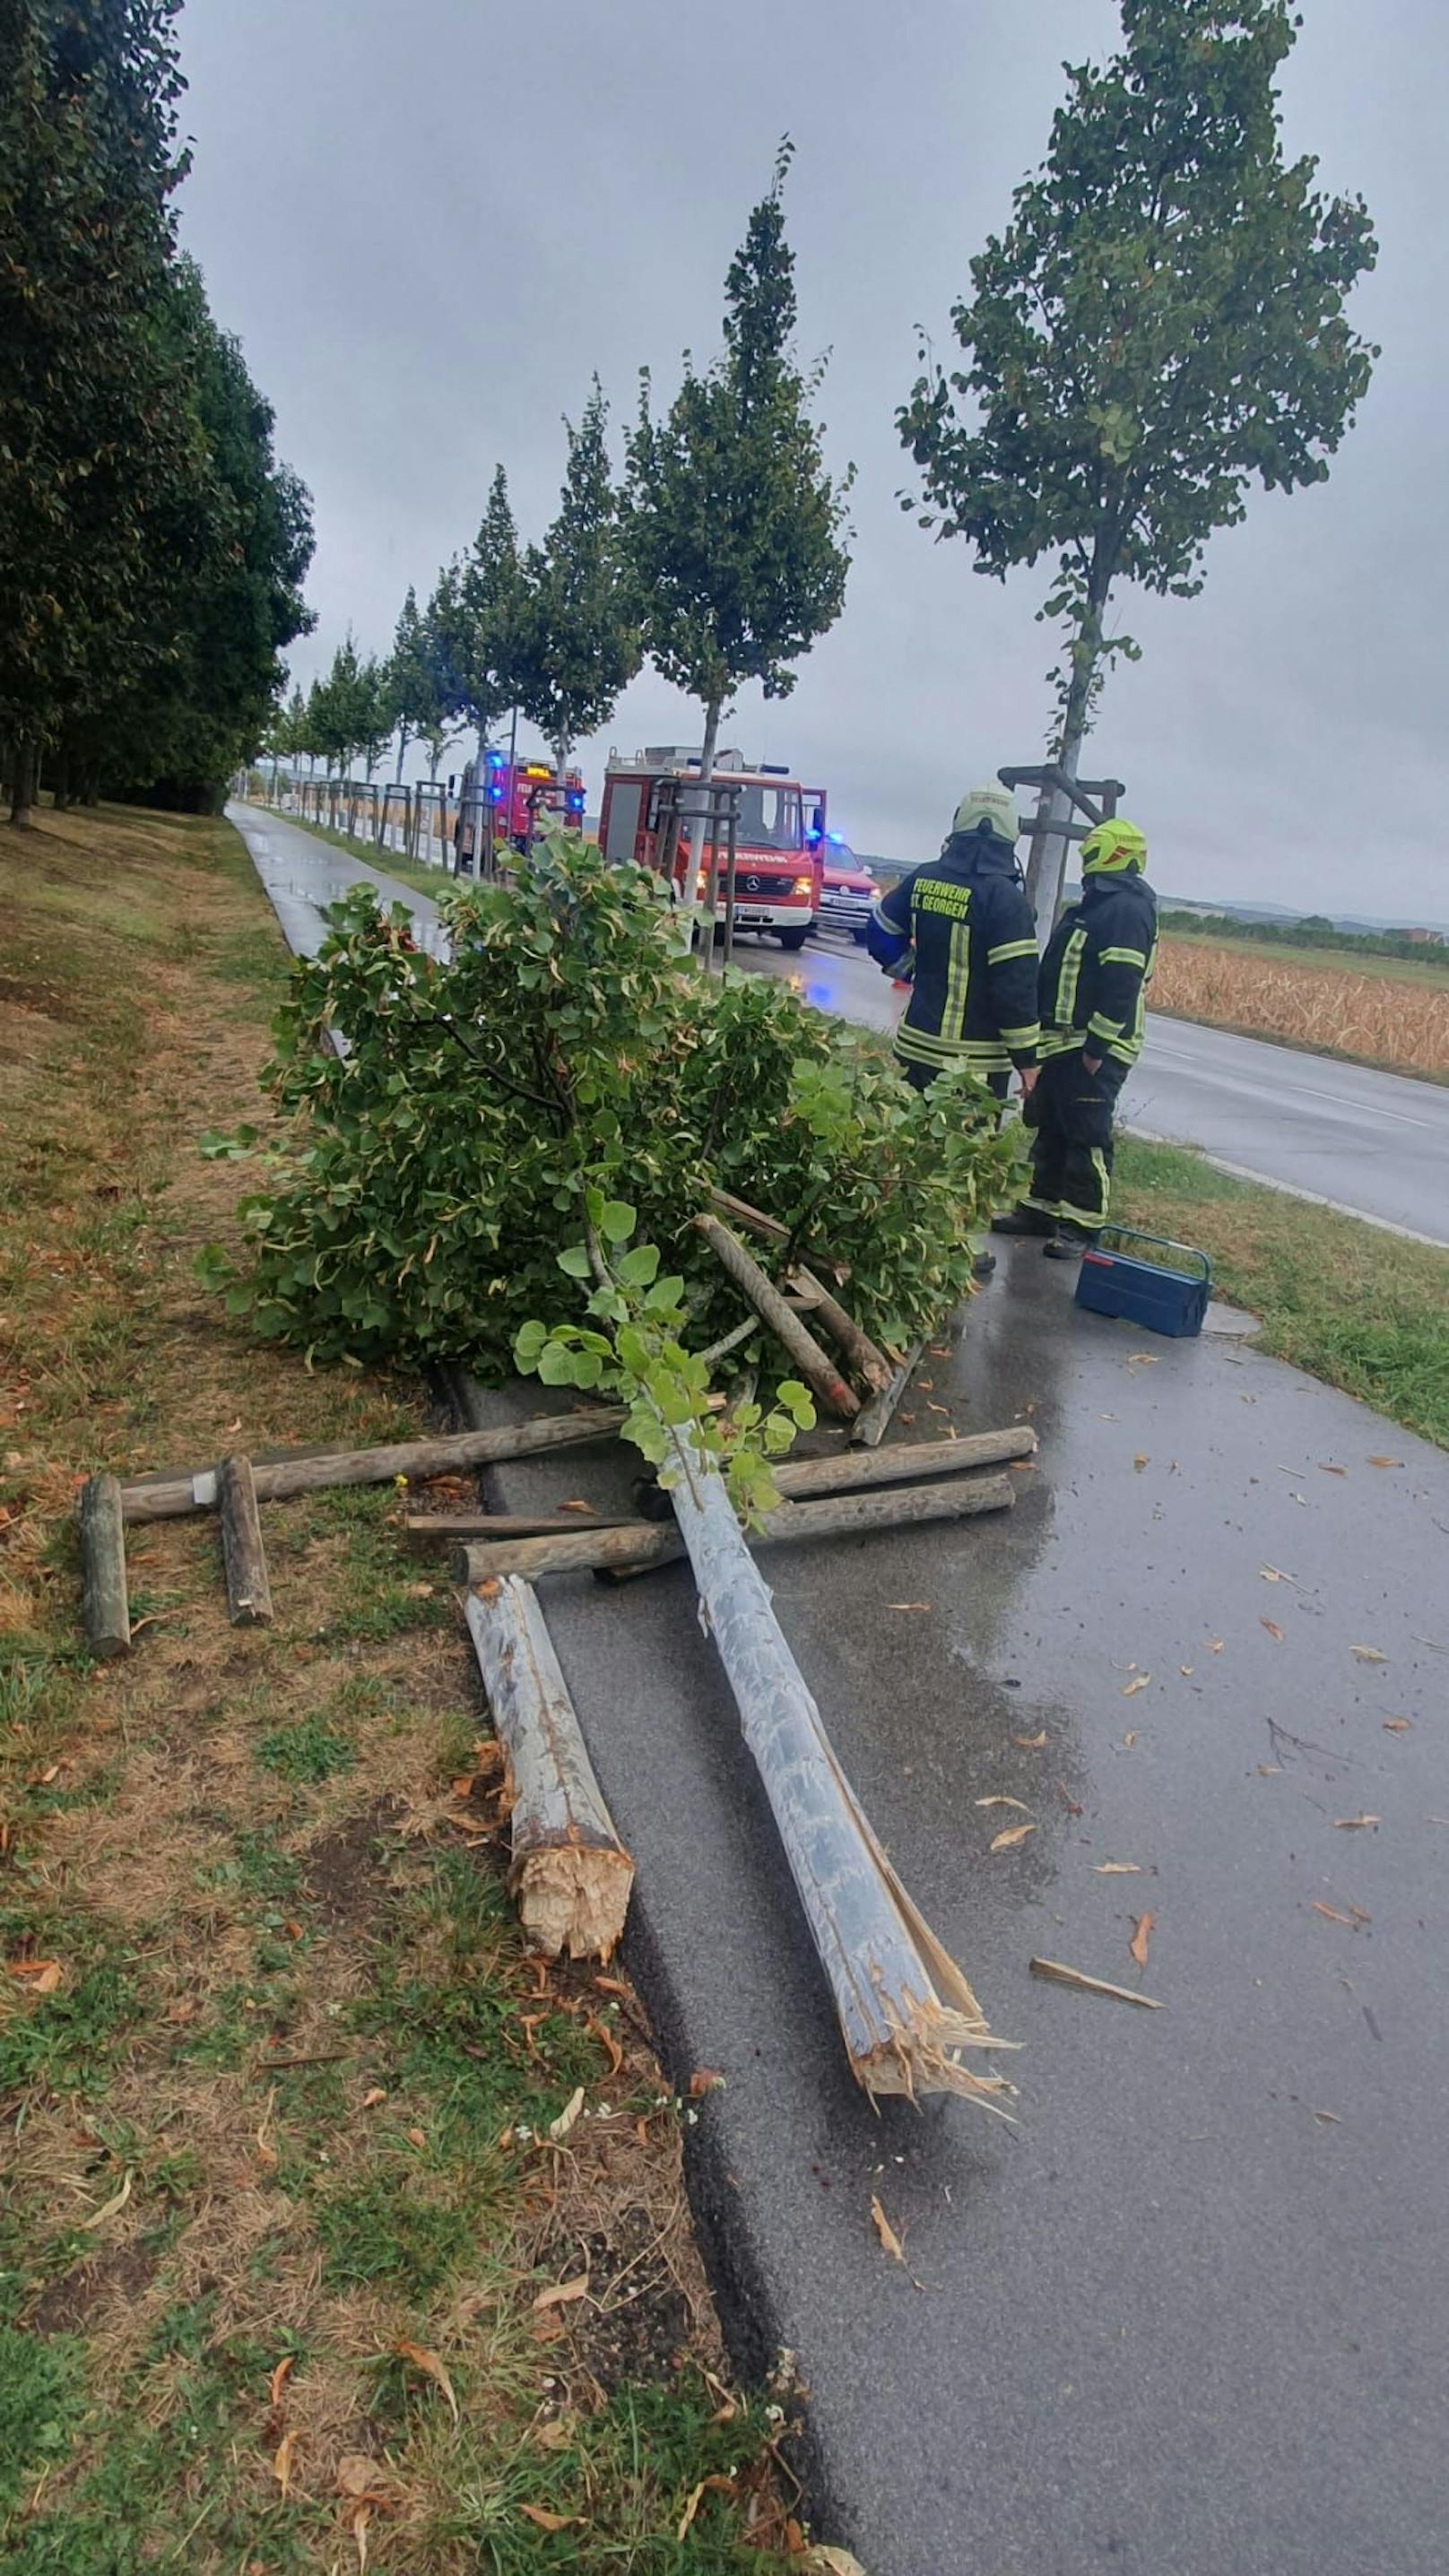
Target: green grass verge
1360,1308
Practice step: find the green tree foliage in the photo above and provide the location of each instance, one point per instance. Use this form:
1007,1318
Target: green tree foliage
211,620
732,526
413,678
1160,324
376,711
429,1197
135,461
578,635
472,623
338,708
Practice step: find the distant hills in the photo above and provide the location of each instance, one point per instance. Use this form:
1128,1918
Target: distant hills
1361,921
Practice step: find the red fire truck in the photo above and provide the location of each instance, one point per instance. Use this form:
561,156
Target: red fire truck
518,802
780,834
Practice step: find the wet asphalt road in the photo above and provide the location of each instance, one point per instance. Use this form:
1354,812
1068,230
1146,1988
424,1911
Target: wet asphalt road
1377,1143
1187,2319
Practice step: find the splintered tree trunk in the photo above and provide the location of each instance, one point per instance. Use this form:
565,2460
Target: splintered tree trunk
1047,864
710,905
906,2011
570,1872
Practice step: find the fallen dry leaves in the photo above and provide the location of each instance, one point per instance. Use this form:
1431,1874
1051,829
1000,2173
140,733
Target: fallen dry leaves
1117,1869
1353,1920
1274,1631
428,2362
540,2515
279,2378
1368,1654
1141,1935
42,1976
1013,1835
1019,1803
705,2079
562,2293
1351,1824
890,2242
1138,1682
558,2129
109,2208
282,2458
1031,1743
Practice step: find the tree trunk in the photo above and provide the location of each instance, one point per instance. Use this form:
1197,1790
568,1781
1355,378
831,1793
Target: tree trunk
22,792
402,752
561,755
1047,865
710,905
60,783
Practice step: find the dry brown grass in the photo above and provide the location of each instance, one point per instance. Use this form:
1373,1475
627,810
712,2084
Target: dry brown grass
294,2021
1382,1019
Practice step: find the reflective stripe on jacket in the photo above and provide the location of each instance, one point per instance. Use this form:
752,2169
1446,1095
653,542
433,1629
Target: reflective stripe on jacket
973,995
1096,970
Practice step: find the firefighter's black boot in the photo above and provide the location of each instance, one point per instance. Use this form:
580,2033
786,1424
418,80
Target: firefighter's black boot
1068,1242
1023,1220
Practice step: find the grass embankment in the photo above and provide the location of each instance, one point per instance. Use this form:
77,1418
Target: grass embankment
1358,1307
274,2070
1380,1011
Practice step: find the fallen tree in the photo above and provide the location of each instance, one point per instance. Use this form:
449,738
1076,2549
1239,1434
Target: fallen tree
420,1194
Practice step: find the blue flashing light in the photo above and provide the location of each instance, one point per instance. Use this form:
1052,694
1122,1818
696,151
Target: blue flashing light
495,795
576,804
837,837
494,759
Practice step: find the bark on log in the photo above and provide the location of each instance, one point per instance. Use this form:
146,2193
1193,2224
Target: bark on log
864,1355
570,1873
633,1544
817,1369
308,1472
103,1567
904,1461
426,1529
906,2011
248,1589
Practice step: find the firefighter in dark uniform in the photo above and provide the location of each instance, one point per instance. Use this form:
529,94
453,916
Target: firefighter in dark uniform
973,990
1093,983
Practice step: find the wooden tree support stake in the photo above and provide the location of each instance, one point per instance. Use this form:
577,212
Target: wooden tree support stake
864,1355
814,1366
874,1421
152,1498
426,1529
103,1567
248,1589
631,1545
570,1872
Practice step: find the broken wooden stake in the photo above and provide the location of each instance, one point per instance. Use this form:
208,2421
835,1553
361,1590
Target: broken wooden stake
814,1364
248,1589
103,1567
425,1529
874,1421
570,1872
309,1471
632,1544
864,1355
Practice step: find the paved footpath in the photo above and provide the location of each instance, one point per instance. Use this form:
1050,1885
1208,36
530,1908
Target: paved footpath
1188,2318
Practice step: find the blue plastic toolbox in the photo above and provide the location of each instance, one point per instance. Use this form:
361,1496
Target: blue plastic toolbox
1112,1282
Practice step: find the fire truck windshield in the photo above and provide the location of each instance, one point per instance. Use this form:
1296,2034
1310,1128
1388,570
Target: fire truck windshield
770,817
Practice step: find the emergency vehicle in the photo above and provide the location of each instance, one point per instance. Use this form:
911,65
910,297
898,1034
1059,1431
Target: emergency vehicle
519,798
779,842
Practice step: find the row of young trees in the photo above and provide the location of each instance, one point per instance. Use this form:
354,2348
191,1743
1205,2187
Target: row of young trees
1161,324
720,556
152,550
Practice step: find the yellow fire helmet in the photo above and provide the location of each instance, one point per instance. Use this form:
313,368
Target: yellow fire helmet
1117,848
993,805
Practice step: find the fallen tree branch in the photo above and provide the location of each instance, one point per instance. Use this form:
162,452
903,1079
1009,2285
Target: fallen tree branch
570,1872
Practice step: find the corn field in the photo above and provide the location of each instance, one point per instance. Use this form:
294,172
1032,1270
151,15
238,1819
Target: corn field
1389,1021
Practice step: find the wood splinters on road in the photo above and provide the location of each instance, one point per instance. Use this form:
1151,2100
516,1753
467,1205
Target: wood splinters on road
1058,1975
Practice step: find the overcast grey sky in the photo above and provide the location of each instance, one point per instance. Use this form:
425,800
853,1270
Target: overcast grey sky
431,220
